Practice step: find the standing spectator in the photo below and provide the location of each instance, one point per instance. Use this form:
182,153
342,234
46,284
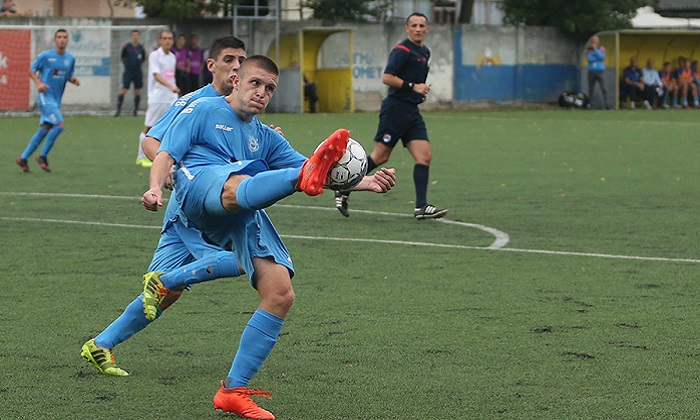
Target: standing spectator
133,57
182,72
399,117
162,89
633,82
670,85
653,86
686,82
196,63
50,72
596,68
311,93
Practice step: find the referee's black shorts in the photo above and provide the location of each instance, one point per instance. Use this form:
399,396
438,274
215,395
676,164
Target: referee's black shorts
399,119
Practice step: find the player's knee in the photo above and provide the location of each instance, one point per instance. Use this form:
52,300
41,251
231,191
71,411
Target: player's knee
281,299
379,158
171,297
229,197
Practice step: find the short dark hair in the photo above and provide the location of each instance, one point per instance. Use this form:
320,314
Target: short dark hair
260,61
224,42
416,14
59,30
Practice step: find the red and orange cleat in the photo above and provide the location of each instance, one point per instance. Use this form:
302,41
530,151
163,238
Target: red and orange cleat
22,163
238,401
313,174
43,163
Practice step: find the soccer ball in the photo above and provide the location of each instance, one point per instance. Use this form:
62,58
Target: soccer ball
350,169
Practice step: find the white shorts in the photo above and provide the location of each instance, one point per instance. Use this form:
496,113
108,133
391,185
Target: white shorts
154,112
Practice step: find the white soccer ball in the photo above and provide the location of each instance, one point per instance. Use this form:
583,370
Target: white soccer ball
350,169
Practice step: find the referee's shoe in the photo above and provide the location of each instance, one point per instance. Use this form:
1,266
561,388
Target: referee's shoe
428,211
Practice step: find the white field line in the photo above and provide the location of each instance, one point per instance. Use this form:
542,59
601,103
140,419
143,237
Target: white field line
498,245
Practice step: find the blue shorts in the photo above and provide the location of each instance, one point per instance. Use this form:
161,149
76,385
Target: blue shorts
178,244
50,114
135,77
249,234
399,119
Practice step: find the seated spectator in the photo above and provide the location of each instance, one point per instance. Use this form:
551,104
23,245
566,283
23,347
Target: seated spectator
653,86
8,9
686,83
311,93
670,86
633,82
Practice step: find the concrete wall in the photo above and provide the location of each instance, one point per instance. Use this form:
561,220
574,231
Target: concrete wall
468,62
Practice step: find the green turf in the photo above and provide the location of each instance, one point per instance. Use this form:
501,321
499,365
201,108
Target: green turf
588,312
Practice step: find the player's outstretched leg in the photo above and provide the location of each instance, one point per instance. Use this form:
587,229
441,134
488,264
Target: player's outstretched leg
238,401
103,359
312,177
153,294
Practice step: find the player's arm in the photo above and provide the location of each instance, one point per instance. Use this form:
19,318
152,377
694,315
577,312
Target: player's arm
160,79
74,80
382,181
153,198
398,83
40,86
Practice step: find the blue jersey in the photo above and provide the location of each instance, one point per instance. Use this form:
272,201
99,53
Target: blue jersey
209,132
54,70
158,130
410,62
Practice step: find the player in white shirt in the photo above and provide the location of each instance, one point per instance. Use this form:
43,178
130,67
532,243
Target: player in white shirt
162,89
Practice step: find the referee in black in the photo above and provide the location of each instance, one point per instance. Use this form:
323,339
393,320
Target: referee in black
133,56
399,118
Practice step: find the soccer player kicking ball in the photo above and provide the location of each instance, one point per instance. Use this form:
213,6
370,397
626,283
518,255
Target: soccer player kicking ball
230,167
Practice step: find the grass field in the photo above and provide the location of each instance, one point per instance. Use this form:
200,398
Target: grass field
563,283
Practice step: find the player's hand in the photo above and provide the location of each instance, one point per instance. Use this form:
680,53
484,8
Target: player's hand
382,181
42,87
421,88
175,89
277,129
152,199
76,81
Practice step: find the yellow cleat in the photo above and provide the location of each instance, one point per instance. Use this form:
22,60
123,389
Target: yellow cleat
153,293
102,358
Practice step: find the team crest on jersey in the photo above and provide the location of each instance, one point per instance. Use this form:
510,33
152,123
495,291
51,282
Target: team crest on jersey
386,138
253,144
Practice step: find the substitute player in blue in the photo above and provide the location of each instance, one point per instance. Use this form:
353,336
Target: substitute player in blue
399,118
50,72
182,253
230,167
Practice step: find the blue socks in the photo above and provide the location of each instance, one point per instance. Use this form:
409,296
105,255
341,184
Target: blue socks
266,188
34,142
212,266
257,341
131,321
51,139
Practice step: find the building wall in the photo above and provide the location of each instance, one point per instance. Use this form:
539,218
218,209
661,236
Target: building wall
468,62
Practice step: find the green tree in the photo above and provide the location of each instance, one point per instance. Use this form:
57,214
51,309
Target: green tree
333,11
579,19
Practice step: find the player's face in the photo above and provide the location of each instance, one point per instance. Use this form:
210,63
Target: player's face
61,40
224,67
416,28
255,89
166,40
135,36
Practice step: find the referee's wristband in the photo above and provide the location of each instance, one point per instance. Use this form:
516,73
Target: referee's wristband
407,85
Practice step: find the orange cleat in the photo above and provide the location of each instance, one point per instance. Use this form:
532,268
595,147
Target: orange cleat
312,177
237,401
43,163
22,163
